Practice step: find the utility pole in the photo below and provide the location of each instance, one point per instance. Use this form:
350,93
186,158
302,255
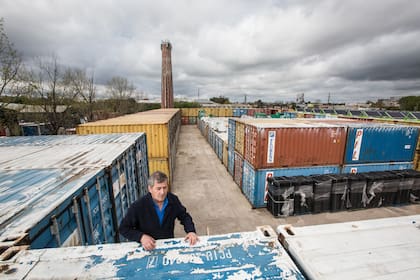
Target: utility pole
198,94
245,99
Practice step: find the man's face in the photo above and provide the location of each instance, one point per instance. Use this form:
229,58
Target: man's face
159,191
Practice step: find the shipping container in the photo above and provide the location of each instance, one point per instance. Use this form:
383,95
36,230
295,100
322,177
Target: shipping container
240,137
219,145
244,255
254,183
161,127
238,169
231,132
55,207
121,157
225,154
380,143
291,143
189,112
118,158
136,159
386,248
368,167
192,120
231,161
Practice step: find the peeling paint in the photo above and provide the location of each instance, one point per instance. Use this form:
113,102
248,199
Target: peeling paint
247,255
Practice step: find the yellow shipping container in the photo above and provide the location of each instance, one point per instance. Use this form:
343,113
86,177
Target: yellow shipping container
155,123
161,164
189,112
161,127
240,138
225,154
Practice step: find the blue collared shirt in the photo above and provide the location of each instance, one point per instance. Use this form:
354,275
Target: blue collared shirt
161,212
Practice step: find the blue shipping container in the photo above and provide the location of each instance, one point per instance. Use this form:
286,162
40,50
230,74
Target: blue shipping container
254,182
231,132
122,157
231,160
46,208
368,167
380,143
247,255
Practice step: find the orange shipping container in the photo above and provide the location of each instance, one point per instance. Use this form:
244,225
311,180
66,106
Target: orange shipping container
289,143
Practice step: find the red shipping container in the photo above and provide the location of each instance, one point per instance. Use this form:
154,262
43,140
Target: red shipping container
293,143
238,169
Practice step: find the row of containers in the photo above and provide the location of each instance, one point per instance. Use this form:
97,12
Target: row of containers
58,191
162,131
261,148
192,115
297,195
346,250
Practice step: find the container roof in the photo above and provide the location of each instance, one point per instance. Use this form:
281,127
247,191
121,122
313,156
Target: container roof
28,196
159,116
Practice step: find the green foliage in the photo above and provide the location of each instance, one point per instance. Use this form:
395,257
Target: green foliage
410,103
221,100
185,104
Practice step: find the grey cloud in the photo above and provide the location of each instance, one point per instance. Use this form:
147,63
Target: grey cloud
270,50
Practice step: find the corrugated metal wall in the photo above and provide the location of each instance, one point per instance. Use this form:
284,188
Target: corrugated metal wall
308,146
69,190
162,130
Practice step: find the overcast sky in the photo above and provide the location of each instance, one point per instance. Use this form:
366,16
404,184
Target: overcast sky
271,50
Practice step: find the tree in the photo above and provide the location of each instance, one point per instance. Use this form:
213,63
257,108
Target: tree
10,61
82,86
221,100
410,103
120,89
46,82
259,103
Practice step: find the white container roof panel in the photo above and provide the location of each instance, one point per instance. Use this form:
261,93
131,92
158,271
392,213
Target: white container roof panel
61,156
45,140
386,248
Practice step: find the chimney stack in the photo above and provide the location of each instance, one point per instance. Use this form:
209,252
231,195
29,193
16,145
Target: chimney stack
167,86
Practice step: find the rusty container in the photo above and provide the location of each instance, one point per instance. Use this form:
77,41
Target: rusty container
292,143
240,137
238,169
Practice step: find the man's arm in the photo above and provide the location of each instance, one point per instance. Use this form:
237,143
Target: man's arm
129,227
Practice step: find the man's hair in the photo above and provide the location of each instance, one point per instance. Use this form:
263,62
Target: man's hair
157,177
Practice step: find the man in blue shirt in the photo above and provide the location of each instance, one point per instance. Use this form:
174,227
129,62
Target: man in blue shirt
153,216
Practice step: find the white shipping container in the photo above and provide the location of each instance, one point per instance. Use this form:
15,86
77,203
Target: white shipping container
386,248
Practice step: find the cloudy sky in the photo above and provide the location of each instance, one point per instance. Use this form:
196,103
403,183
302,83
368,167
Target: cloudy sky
352,51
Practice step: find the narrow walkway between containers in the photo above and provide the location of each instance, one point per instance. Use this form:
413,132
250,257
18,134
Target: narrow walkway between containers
217,204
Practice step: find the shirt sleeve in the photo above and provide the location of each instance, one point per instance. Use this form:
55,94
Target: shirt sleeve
129,227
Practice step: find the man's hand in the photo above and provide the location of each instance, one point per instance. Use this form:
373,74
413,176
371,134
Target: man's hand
147,242
192,238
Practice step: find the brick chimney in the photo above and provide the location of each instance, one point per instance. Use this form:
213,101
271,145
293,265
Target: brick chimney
167,86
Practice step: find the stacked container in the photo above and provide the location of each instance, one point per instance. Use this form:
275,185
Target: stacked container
287,148
161,127
69,190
